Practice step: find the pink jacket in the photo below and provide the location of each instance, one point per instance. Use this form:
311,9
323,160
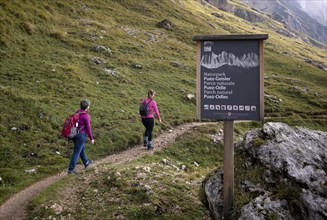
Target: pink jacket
151,106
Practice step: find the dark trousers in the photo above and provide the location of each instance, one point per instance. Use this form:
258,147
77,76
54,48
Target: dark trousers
148,124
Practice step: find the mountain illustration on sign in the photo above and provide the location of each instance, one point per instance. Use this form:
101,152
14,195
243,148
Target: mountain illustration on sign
213,61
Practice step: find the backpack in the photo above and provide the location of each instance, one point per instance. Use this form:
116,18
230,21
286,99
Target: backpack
144,111
70,127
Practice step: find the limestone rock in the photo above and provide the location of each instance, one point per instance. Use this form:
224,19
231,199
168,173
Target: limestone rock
291,156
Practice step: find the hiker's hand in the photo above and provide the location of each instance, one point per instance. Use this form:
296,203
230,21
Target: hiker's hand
92,141
160,120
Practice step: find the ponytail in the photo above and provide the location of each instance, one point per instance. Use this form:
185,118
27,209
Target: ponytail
150,93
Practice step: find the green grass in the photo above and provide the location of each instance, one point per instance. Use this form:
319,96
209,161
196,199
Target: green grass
120,190
47,67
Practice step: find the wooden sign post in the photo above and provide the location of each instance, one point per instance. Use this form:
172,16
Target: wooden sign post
229,72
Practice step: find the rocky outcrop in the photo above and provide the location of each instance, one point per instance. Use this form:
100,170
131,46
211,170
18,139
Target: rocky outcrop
248,15
320,65
292,157
221,4
166,24
298,153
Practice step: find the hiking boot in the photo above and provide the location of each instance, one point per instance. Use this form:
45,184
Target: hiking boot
72,172
150,146
88,163
145,141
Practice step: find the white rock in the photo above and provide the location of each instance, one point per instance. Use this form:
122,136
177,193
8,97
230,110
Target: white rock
30,171
183,167
56,208
190,96
147,169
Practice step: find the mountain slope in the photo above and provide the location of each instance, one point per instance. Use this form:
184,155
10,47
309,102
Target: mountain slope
291,15
53,54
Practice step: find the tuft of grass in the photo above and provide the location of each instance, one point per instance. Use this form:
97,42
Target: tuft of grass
29,27
292,193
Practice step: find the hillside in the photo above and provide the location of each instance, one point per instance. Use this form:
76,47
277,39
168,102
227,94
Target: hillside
53,54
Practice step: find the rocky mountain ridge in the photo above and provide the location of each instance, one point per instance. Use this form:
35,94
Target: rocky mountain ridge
295,21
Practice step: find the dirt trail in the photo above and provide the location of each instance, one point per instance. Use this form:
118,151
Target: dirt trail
15,208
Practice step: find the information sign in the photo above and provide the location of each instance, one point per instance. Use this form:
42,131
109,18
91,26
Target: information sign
230,77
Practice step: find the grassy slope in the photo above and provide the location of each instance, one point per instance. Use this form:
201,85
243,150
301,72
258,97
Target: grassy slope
46,68
122,191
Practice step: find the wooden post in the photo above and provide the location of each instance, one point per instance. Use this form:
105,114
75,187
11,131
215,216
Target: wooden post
198,80
228,168
261,78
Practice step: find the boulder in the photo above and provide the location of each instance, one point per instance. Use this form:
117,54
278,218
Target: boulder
291,156
213,193
298,153
166,24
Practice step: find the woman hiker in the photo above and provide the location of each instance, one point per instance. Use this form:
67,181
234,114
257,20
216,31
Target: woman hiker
84,127
148,120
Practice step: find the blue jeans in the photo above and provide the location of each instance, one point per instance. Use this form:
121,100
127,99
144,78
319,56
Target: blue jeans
79,143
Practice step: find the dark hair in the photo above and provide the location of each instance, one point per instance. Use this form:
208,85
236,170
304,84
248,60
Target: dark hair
84,104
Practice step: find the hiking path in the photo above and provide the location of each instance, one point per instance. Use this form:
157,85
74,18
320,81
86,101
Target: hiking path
15,208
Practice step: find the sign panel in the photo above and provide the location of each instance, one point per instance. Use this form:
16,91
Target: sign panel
230,80
230,76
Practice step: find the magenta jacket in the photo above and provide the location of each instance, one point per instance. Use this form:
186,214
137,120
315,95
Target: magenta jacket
84,124
151,106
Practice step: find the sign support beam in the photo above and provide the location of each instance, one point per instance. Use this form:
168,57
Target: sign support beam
228,168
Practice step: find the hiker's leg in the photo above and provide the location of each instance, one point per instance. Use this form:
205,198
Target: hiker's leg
145,141
145,123
82,153
83,156
79,141
150,126
146,133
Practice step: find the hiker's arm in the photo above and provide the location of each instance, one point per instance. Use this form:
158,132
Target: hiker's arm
88,127
156,111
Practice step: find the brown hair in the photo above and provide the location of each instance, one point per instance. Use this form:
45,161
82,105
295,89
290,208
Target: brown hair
151,93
